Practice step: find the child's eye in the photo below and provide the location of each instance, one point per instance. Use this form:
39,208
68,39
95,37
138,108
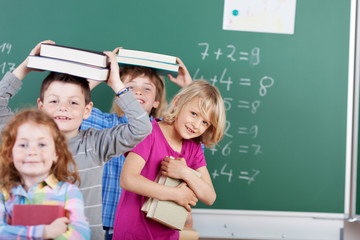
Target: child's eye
74,103
205,123
131,87
53,101
42,145
22,145
193,113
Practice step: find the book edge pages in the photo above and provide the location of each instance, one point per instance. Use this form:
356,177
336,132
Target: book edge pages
74,54
148,63
68,67
147,55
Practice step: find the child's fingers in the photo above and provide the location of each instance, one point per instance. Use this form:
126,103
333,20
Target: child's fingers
36,49
65,220
113,60
178,60
171,78
116,50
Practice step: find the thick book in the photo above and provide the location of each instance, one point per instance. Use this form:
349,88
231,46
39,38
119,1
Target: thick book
31,215
147,55
168,213
161,68
84,56
69,67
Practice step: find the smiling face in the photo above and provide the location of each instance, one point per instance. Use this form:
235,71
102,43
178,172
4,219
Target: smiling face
145,92
189,122
65,102
33,152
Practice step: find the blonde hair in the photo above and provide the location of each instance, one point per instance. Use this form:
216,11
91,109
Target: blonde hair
128,73
209,99
9,175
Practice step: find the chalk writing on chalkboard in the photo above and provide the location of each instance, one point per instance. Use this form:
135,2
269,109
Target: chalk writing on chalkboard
232,53
248,176
5,66
241,142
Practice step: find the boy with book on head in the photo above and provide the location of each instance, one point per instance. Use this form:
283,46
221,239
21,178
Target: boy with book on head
68,100
149,89
196,116
35,168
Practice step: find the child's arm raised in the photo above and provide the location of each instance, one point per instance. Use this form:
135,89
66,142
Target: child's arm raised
115,141
183,78
132,180
202,187
114,80
22,70
11,83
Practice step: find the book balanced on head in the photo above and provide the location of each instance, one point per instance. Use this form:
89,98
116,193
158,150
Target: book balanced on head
162,63
74,61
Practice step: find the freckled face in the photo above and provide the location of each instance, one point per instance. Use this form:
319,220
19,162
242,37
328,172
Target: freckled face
65,102
34,151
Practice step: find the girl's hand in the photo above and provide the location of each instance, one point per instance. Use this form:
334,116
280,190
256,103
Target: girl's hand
175,168
114,80
56,228
183,78
22,70
186,197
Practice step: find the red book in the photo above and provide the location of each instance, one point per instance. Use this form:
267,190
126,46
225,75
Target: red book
30,215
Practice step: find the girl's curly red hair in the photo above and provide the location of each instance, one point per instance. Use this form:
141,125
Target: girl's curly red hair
64,169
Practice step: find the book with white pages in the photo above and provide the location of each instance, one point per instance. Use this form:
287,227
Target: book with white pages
84,56
69,67
161,68
147,55
168,213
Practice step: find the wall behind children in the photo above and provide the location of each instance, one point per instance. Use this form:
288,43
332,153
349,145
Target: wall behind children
286,95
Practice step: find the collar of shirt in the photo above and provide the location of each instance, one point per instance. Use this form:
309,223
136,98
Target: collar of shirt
50,181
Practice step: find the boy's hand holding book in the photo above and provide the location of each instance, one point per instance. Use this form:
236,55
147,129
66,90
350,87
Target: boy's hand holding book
21,71
114,80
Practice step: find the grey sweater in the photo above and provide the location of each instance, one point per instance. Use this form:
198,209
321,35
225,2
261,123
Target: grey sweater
92,148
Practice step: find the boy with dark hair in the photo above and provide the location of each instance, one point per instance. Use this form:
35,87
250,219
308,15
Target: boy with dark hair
67,99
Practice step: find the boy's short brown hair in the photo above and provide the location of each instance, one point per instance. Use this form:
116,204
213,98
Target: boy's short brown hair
66,78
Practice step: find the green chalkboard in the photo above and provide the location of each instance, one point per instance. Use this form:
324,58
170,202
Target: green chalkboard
286,94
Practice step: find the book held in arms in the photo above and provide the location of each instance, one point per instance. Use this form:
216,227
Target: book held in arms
163,64
168,213
31,215
73,61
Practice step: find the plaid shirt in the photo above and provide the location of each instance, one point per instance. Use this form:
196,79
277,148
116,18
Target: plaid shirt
48,191
111,189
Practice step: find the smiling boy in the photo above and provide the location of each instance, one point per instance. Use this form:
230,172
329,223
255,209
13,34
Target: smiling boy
68,100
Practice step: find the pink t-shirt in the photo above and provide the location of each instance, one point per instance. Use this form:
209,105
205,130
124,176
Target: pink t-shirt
130,221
